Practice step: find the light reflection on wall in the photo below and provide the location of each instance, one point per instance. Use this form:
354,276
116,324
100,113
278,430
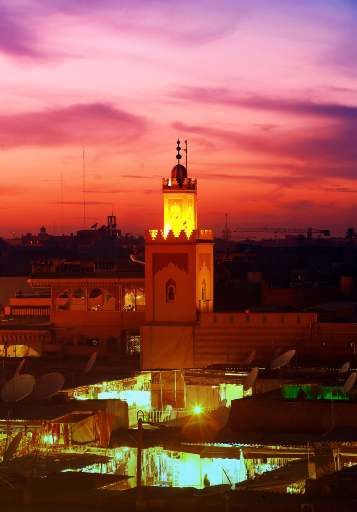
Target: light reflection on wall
162,392
167,468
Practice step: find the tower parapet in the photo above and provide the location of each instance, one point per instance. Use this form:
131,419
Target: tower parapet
197,235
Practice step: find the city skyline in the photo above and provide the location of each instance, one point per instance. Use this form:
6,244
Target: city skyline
264,93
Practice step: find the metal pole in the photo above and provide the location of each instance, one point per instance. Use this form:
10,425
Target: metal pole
139,502
161,398
176,388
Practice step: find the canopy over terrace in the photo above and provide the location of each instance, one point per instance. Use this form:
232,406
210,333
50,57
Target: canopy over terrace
65,423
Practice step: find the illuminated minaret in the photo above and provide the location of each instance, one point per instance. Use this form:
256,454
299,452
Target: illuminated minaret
178,276
180,199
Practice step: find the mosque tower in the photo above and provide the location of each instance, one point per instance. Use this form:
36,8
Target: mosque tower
180,199
178,276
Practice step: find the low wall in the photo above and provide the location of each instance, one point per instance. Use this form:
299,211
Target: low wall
256,414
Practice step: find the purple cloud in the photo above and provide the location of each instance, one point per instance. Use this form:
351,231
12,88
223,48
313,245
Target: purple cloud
16,38
331,150
283,181
227,97
21,35
80,124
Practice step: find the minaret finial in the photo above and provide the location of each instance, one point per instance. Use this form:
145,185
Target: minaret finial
178,148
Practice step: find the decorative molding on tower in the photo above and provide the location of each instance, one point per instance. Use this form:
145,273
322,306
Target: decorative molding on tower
197,235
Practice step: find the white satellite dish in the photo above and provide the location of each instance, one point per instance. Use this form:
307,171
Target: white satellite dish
282,360
13,446
250,358
350,382
90,362
344,368
47,385
250,379
18,388
19,367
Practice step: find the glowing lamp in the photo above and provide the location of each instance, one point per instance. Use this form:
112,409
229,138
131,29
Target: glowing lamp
198,409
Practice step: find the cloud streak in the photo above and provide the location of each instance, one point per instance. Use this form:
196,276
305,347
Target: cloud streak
227,97
149,18
78,124
331,150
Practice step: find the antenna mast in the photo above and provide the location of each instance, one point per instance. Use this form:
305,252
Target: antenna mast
84,187
186,149
61,199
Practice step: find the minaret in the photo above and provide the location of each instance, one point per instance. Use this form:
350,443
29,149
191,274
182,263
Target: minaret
178,276
180,199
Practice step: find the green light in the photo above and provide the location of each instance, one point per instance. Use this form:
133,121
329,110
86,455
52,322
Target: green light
313,392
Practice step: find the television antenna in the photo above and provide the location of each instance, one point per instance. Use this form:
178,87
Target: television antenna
84,186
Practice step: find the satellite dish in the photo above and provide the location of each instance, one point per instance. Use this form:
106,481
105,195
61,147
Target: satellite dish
47,385
344,368
350,382
282,360
18,388
250,379
250,358
90,362
13,446
19,367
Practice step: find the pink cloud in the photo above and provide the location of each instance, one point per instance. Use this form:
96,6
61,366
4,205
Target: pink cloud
80,124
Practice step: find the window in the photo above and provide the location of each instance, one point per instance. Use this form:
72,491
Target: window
170,291
134,298
133,343
129,299
101,300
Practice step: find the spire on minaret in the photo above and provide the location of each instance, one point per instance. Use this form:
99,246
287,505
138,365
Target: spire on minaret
178,148
179,171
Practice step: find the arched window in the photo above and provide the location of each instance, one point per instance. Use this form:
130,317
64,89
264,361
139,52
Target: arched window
170,291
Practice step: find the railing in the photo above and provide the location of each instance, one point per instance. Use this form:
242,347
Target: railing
159,416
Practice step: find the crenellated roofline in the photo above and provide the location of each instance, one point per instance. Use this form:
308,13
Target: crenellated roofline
197,235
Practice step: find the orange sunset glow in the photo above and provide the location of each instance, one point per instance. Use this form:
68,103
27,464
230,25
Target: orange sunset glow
264,92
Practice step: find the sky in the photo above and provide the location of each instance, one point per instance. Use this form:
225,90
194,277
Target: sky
264,91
